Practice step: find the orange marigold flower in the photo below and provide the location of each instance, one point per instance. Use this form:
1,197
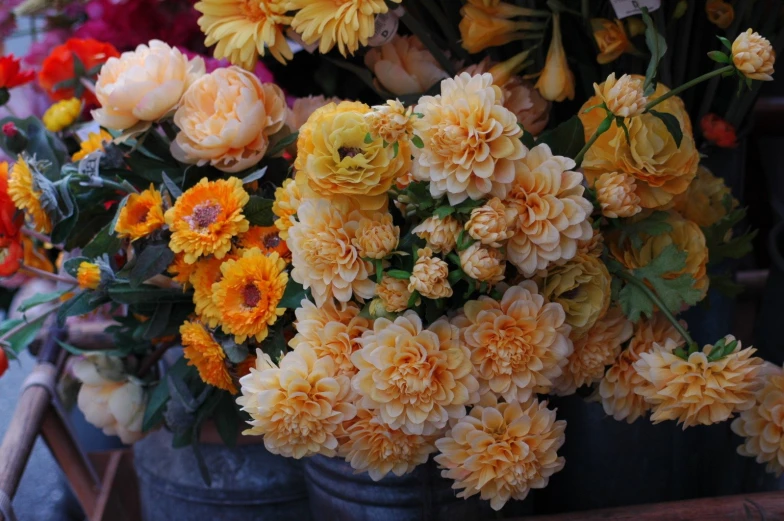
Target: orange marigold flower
718,131
88,276
205,273
35,256
58,68
11,74
141,215
203,352
95,141
265,238
181,271
21,188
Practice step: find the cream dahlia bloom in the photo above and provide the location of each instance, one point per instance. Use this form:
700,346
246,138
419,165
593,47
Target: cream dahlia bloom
323,256
376,237
698,391
416,378
143,85
616,389
594,351
483,264
440,234
226,118
371,446
593,246
754,56
392,122
623,97
491,223
404,66
302,108
472,143
430,276
615,192
298,407
502,451
518,345
394,294
552,214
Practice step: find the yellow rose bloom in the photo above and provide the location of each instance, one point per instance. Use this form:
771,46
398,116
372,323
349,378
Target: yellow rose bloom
206,217
287,199
88,276
141,215
611,39
62,114
204,353
21,188
94,142
483,264
703,201
556,82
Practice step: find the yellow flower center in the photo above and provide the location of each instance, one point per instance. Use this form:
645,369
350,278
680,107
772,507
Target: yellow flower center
251,9
203,215
251,295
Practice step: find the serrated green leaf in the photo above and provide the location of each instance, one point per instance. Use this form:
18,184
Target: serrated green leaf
634,302
443,212
654,224
674,292
725,285
672,124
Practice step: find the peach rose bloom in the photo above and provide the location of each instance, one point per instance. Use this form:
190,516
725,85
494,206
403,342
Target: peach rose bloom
226,118
404,66
440,234
615,192
143,85
302,108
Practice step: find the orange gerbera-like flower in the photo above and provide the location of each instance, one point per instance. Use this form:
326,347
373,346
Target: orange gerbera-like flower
59,68
88,276
718,131
298,407
22,189
502,450
141,215
204,273
11,74
206,217
265,238
416,378
249,293
95,141
518,345
181,271
203,352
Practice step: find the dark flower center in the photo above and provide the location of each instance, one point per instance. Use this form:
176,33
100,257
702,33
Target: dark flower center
272,240
204,215
345,152
251,295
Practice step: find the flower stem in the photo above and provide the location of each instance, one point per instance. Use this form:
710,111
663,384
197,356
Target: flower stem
687,85
604,126
46,275
40,236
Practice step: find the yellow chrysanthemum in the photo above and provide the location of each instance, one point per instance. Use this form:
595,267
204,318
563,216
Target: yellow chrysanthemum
23,192
703,201
206,217
181,271
247,296
95,141
287,199
203,352
88,276
141,215
62,114
347,23
243,29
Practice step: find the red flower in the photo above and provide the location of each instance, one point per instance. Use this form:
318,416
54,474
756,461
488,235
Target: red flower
11,251
60,75
10,74
718,131
3,362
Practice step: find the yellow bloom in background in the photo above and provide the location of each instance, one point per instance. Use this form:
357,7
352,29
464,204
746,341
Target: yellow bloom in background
594,351
416,378
88,276
440,234
720,13
248,294
206,217
141,215
483,264
623,97
94,142
430,276
698,391
703,201
611,39
245,29
35,256
23,192
392,122
472,143
616,194
181,271
660,168
754,56
616,389
204,273
287,199
556,82
543,236
394,294
404,66
204,353
345,23
298,407
491,224
371,446
483,26
376,236
502,451
62,114
518,344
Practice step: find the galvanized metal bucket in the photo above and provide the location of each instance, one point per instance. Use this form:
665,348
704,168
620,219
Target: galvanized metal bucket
338,494
248,483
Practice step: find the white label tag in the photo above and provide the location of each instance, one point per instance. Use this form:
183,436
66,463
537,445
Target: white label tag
625,8
297,44
89,166
386,29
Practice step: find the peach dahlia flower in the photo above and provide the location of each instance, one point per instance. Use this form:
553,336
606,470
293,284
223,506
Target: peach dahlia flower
616,195
404,66
754,56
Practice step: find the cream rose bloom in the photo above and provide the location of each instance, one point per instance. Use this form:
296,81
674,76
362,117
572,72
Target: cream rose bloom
302,108
226,118
624,97
394,294
754,56
483,264
404,66
376,237
143,85
491,223
430,276
616,195
109,399
440,234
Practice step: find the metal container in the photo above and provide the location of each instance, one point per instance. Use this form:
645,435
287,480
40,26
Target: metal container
248,483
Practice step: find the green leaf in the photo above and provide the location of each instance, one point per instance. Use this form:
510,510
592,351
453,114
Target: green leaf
37,300
443,212
79,305
258,211
156,405
654,224
672,124
227,419
71,266
657,45
153,260
281,145
567,139
126,294
171,186
725,42
674,292
395,149
105,242
719,56
158,321
254,176
719,239
399,274
634,302
42,144
22,338
293,295
417,141
235,352
527,138
368,138
120,206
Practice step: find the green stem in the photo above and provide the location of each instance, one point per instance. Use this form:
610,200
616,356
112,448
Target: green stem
604,126
687,85
46,275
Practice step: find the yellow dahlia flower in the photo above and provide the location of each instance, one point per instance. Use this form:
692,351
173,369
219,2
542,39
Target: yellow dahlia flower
243,29
225,120
556,82
518,345
623,97
417,378
181,271
703,200
753,56
23,192
394,294
491,223
502,451
616,389
660,168
615,192
206,217
598,348
404,66
203,352
141,215
698,391
287,199
248,294
483,264
472,143
392,122
302,108
206,272
371,446
95,141
430,276
376,237
298,407
323,256
552,214
88,276
62,114
611,39
440,234
334,160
